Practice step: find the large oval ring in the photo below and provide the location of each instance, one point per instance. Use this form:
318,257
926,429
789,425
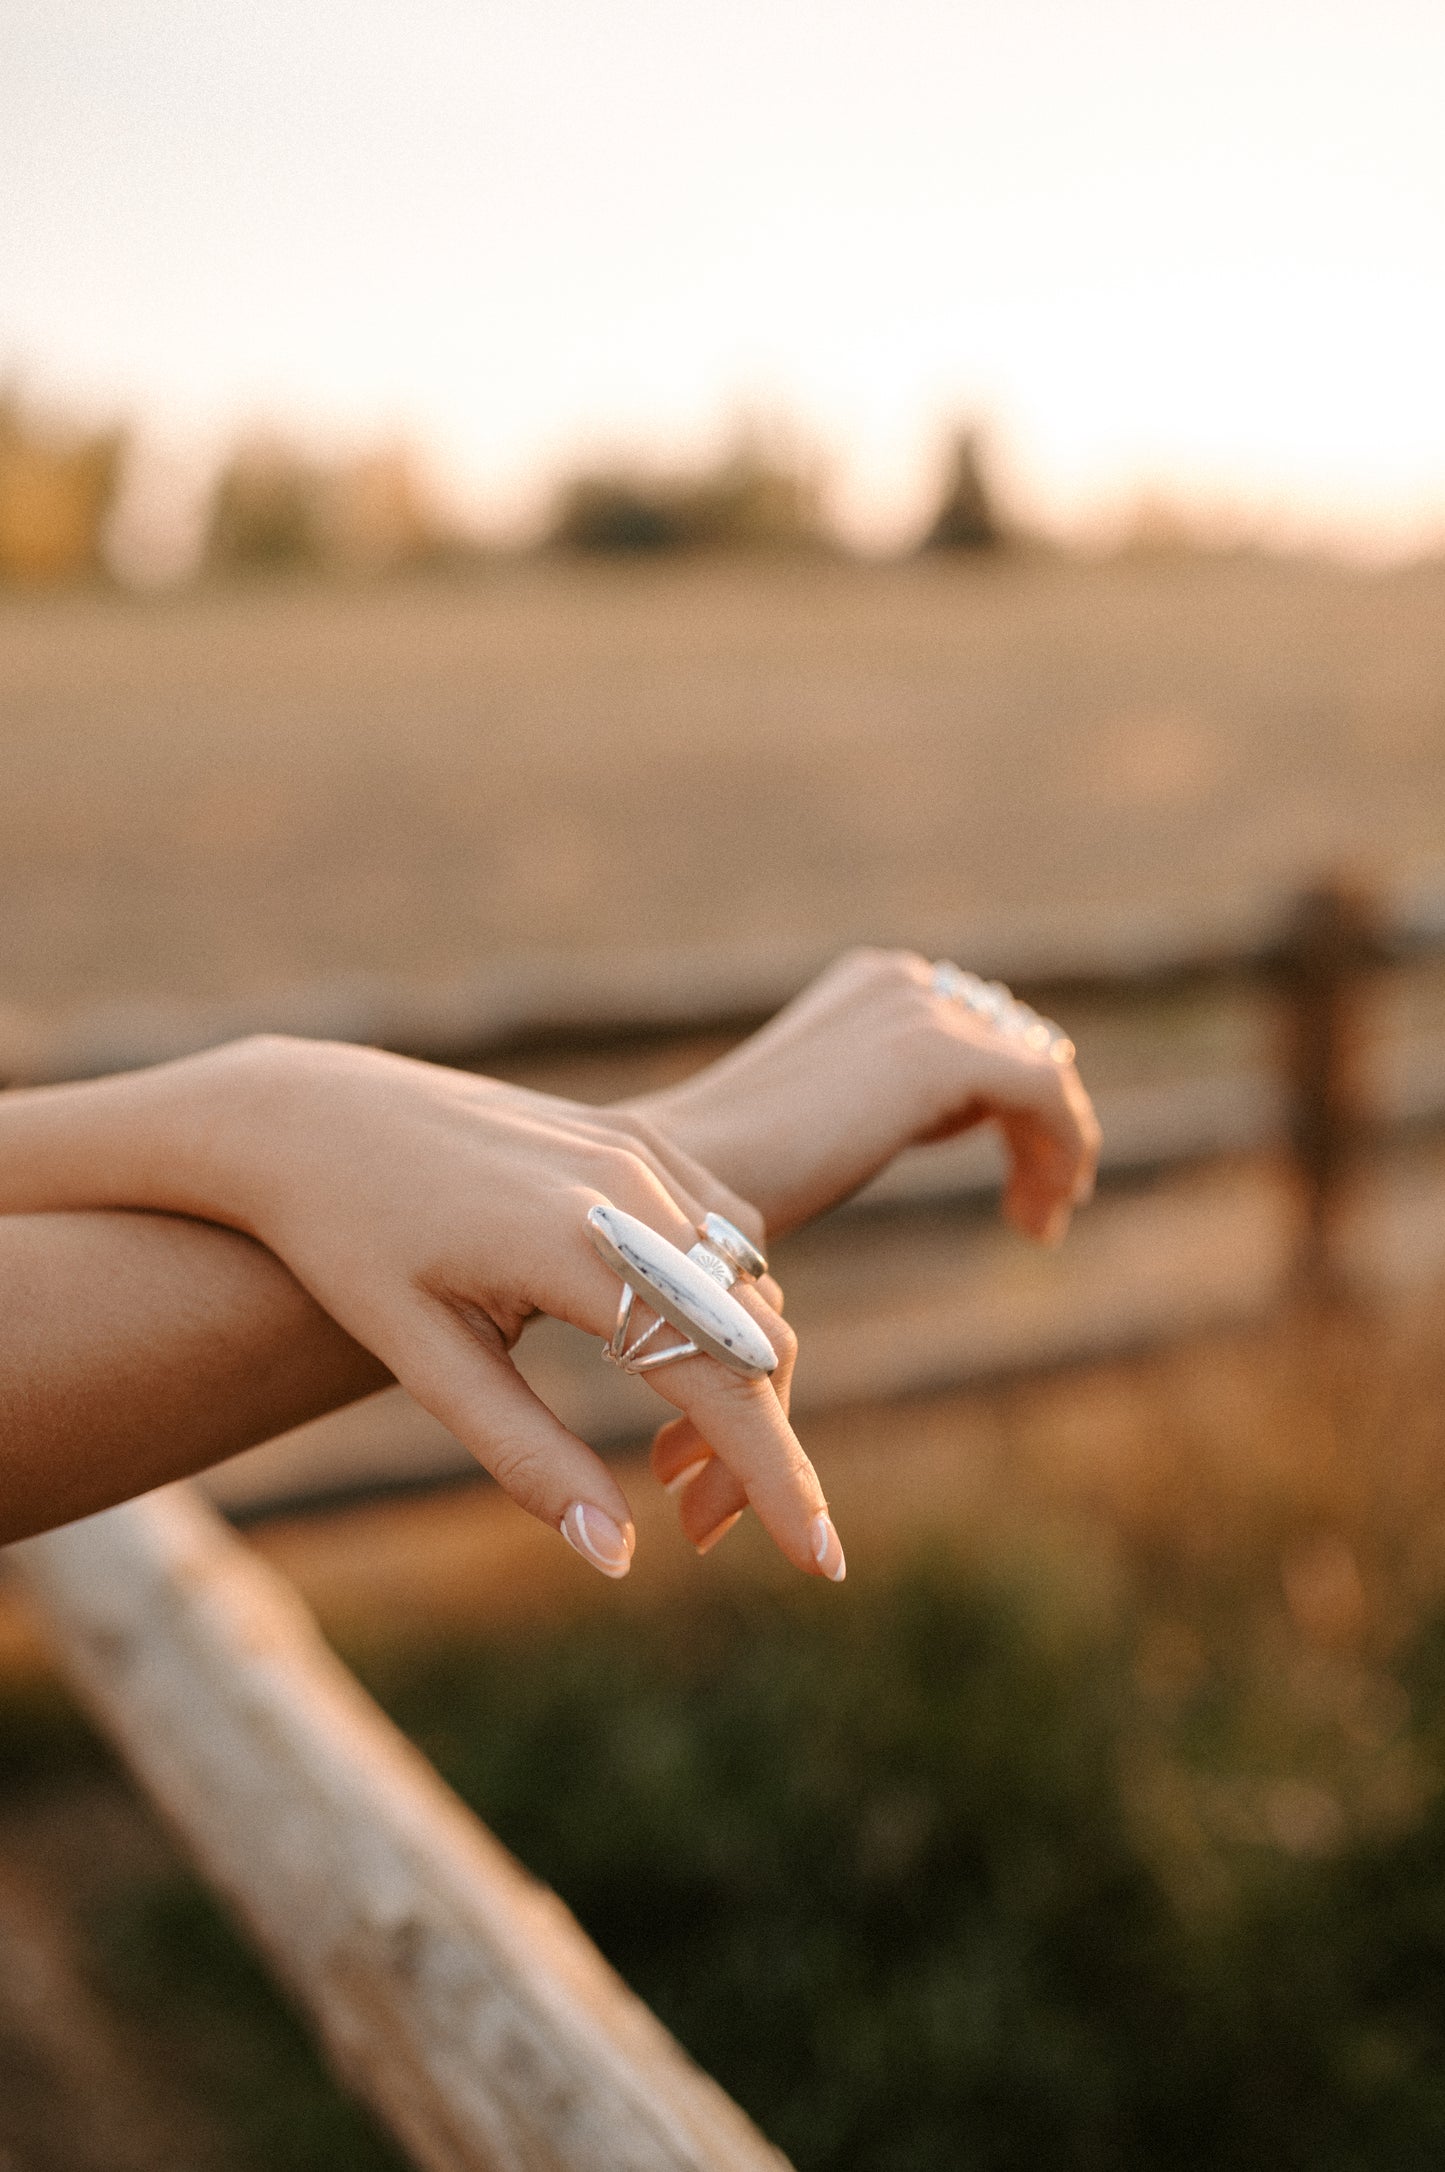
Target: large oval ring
1000,1007
683,1293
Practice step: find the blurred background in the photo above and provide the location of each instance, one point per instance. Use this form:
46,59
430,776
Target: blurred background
524,531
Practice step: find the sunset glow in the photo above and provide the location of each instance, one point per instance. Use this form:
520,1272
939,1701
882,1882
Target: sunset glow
1186,253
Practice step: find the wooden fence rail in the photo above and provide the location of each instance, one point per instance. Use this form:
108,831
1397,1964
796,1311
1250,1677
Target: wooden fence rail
454,1993
1314,958
530,1008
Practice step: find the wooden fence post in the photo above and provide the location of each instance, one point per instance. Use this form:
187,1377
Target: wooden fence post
1327,963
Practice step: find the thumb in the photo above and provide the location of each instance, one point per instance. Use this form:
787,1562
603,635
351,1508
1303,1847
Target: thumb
478,1394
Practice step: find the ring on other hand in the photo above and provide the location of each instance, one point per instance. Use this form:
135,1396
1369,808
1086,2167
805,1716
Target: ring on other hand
683,1292
1000,1007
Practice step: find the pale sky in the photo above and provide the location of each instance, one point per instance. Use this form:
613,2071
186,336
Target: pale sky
1194,249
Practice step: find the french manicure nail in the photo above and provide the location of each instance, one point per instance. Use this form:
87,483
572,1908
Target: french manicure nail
592,1533
827,1548
680,1482
719,1531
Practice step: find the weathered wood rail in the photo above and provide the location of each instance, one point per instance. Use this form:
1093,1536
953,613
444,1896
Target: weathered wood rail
454,1994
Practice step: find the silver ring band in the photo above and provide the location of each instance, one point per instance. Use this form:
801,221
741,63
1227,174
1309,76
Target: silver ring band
724,1238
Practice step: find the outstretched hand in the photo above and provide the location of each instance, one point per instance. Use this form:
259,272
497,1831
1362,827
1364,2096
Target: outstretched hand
868,1060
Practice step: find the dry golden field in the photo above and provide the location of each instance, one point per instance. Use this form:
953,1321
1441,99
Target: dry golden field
232,793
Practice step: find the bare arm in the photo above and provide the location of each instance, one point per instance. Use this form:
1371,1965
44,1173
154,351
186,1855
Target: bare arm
138,1348
433,1214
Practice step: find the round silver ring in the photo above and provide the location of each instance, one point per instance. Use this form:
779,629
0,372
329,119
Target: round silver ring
999,1007
684,1292
729,1242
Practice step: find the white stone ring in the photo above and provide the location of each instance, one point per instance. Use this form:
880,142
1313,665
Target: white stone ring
992,1001
690,1291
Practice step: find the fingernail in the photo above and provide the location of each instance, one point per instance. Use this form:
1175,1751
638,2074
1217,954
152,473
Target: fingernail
719,1531
591,1532
1084,1191
827,1548
1056,1228
686,1475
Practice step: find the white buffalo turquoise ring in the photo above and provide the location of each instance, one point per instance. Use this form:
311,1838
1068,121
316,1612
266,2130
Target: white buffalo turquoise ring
685,1291
999,1006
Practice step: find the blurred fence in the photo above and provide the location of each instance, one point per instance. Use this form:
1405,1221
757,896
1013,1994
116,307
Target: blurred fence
459,1998
1324,1094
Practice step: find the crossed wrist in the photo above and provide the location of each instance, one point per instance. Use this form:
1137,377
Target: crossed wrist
198,1137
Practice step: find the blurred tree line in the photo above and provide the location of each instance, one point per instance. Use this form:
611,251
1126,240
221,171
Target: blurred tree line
57,486
275,506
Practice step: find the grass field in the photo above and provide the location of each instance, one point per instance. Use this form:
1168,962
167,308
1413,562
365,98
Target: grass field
231,793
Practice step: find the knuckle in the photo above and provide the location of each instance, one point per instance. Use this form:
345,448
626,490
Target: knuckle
867,967
912,969
519,1465
728,1391
614,1165
637,1133
890,967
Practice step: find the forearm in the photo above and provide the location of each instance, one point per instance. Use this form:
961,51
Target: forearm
137,1348
163,1140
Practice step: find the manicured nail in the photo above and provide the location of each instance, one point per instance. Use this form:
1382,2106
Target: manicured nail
686,1475
719,1531
827,1549
592,1533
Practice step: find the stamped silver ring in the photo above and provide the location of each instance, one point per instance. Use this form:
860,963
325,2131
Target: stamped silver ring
722,1240
684,1291
1000,1007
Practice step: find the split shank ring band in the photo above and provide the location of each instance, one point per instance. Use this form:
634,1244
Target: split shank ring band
993,1002
689,1291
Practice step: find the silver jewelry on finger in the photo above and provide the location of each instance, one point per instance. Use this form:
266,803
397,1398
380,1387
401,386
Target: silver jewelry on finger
685,1295
1000,1007
725,1241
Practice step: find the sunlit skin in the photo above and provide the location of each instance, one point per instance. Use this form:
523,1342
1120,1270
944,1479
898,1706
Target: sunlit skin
352,1216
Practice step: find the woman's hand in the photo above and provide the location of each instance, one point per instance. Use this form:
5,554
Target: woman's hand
868,1060
432,1214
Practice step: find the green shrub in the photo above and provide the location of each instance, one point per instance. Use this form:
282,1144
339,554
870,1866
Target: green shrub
877,1866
